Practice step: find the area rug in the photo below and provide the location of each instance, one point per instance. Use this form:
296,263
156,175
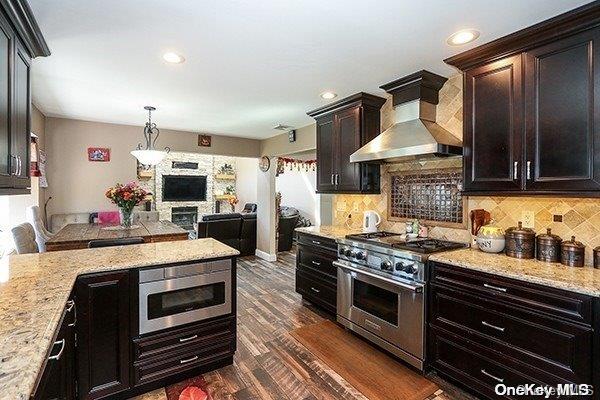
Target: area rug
191,389
372,372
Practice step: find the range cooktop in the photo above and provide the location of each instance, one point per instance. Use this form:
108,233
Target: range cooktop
401,242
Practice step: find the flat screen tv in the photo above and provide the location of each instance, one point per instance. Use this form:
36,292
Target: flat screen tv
184,188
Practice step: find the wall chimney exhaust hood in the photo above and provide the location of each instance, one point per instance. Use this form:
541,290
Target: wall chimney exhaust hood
415,133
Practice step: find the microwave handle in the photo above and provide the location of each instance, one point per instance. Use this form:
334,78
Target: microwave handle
416,288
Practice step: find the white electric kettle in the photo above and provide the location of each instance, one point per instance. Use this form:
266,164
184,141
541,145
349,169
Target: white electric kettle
371,221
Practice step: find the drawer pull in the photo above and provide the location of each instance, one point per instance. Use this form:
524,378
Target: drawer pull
316,242
187,339
492,326
60,352
498,288
188,360
316,263
315,290
501,380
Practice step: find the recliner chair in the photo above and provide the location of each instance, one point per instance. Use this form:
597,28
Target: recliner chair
225,228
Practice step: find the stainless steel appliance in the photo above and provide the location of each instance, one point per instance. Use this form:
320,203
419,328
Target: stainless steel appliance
181,294
382,290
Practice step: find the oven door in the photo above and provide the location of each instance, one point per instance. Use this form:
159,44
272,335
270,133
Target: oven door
389,309
183,300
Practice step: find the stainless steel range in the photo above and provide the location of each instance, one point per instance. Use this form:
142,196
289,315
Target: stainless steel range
382,290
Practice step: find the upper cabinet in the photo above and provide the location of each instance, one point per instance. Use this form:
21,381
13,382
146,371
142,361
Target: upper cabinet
342,128
20,41
532,109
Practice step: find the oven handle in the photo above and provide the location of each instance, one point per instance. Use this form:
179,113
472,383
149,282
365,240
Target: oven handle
416,289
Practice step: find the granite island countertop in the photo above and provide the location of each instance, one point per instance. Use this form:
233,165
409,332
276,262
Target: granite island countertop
584,280
328,231
35,287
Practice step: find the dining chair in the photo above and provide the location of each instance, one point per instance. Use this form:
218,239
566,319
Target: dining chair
34,217
24,238
114,242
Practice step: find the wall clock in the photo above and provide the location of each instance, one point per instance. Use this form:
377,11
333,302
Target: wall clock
264,163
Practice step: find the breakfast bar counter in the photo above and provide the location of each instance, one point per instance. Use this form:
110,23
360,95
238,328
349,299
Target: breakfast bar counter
35,287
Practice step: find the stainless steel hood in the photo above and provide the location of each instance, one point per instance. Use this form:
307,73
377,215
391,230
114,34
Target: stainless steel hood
414,134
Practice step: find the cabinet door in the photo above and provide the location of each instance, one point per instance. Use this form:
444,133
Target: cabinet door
347,133
326,154
22,110
56,381
493,126
7,163
562,81
102,334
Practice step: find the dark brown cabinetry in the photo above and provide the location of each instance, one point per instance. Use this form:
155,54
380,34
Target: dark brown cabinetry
57,382
20,40
103,334
532,108
316,276
485,329
342,128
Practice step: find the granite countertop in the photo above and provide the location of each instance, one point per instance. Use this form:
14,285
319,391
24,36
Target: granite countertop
35,287
328,231
584,280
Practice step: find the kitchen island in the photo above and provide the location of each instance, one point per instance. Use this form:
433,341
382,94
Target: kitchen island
34,289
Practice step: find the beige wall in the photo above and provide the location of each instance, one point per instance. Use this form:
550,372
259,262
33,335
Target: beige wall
77,185
38,126
306,139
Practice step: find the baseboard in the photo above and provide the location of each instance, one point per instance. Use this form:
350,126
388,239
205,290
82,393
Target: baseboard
266,256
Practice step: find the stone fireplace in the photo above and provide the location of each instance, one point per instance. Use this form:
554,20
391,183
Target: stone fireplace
185,217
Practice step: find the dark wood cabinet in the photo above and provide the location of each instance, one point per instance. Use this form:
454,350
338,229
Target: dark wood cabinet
493,126
562,91
342,128
316,276
103,334
484,329
20,40
57,380
532,109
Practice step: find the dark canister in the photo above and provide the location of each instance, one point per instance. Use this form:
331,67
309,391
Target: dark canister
597,257
572,253
548,247
520,242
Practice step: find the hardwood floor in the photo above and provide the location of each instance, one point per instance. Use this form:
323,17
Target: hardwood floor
269,363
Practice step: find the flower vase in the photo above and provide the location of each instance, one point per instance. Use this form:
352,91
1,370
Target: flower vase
126,217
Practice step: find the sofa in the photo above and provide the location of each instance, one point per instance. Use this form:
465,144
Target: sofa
234,229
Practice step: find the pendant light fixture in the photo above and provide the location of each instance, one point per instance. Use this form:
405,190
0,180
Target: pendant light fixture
149,156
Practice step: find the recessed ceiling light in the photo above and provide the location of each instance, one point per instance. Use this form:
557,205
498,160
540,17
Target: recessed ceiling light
173,58
328,95
462,37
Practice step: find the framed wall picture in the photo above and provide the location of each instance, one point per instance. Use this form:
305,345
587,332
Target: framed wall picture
101,154
204,140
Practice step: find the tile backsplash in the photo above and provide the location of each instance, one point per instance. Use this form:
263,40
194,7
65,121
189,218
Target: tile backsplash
579,217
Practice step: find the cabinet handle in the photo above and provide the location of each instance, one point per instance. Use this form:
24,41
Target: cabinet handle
20,165
501,380
315,263
62,348
188,360
528,170
72,307
337,179
516,170
316,242
332,179
498,288
187,339
315,290
484,323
